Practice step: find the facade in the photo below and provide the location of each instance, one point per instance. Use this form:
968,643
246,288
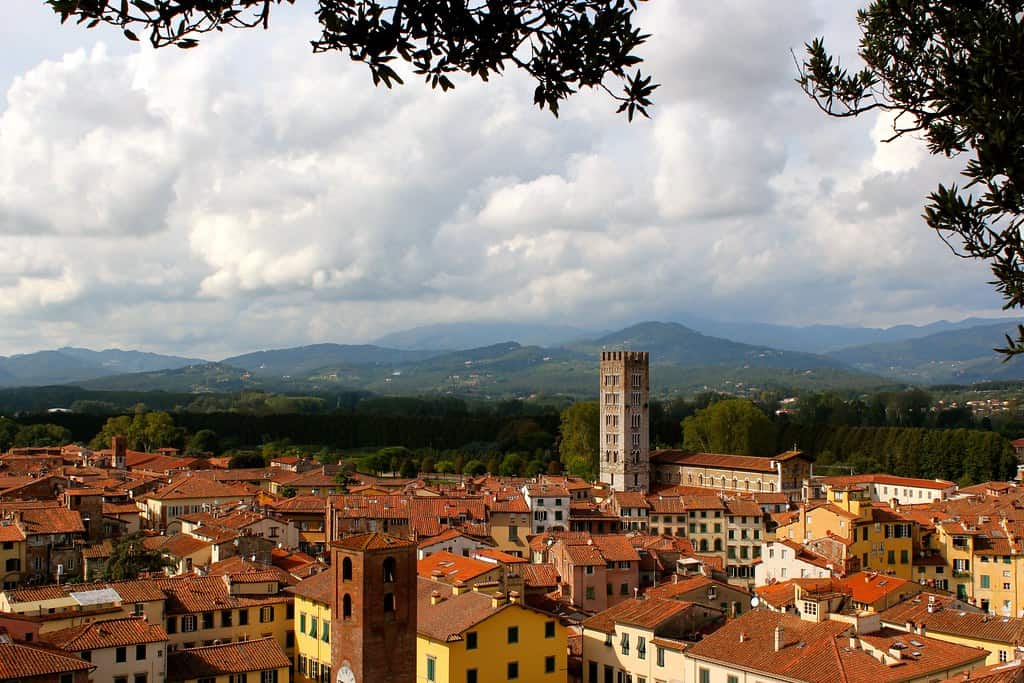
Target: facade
13,558
548,504
313,627
470,637
784,559
642,640
893,490
625,420
373,628
784,473
128,650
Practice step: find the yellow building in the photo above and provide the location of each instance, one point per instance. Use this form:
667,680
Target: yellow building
260,660
470,637
313,627
12,554
880,538
510,524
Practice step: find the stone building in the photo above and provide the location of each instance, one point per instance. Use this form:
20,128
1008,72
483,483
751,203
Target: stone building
625,420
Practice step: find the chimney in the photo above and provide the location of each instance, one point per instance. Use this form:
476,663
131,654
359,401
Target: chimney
497,600
909,626
435,597
743,636
513,597
854,643
459,587
922,630
779,633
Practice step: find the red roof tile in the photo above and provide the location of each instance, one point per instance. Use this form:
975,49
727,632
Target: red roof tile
102,634
220,660
18,661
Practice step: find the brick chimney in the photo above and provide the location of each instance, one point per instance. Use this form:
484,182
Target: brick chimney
779,634
119,451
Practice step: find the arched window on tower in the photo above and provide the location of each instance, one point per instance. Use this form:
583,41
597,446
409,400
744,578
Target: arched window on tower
389,570
346,569
346,607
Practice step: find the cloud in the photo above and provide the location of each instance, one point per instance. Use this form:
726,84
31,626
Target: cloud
247,194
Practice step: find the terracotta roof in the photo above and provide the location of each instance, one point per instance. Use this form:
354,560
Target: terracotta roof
499,556
18,661
446,535
101,634
447,620
721,460
616,548
631,499
584,555
187,595
539,575
120,509
316,588
819,652
544,490
516,504
52,519
301,504
869,587
11,533
948,617
200,487
888,479
220,660
453,567
182,545
686,585
649,613
1004,672
98,551
371,541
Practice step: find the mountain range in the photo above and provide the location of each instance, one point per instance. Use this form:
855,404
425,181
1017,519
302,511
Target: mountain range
684,360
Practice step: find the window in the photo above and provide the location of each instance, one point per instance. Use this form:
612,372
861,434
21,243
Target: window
513,670
591,672
661,656
346,569
172,624
471,640
120,679
268,676
225,618
237,678
121,655
207,680
704,676
590,592
389,602
549,665
389,570
142,678
431,668
346,607
549,629
188,623
313,627
86,655
67,678
243,617
13,565
985,581
732,679
207,619
140,652
1003,657
471,676
641,647
513,634
624,643
266,614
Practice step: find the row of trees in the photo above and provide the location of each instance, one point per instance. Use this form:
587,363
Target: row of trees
739,426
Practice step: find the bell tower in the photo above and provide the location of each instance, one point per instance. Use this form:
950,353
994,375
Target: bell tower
373,609
625,420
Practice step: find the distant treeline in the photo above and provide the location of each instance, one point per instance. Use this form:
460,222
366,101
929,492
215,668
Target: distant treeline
335,430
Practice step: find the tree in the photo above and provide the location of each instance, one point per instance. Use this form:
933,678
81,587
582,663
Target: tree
42,435
564,45
203,441
731,426
130,557
952,72
246,459
288,492
474,468
8,431
581,430
114,426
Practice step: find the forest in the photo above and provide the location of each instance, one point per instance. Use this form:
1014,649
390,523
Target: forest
905,433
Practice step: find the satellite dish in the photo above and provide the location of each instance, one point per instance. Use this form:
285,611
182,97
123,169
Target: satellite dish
755,601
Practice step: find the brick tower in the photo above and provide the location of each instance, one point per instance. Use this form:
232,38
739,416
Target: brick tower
625,420
373,609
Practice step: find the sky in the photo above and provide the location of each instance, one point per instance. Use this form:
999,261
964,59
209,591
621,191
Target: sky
248,194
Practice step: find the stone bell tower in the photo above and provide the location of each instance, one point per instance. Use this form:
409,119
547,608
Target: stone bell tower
625,456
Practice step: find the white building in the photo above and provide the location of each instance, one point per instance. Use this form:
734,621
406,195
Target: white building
549,506
785,559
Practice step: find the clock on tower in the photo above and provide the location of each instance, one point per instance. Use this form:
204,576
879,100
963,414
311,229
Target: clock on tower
373,609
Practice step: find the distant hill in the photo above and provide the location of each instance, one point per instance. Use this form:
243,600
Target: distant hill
954,357
672,343
825,338
469,335
303,360
70,365
191,379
